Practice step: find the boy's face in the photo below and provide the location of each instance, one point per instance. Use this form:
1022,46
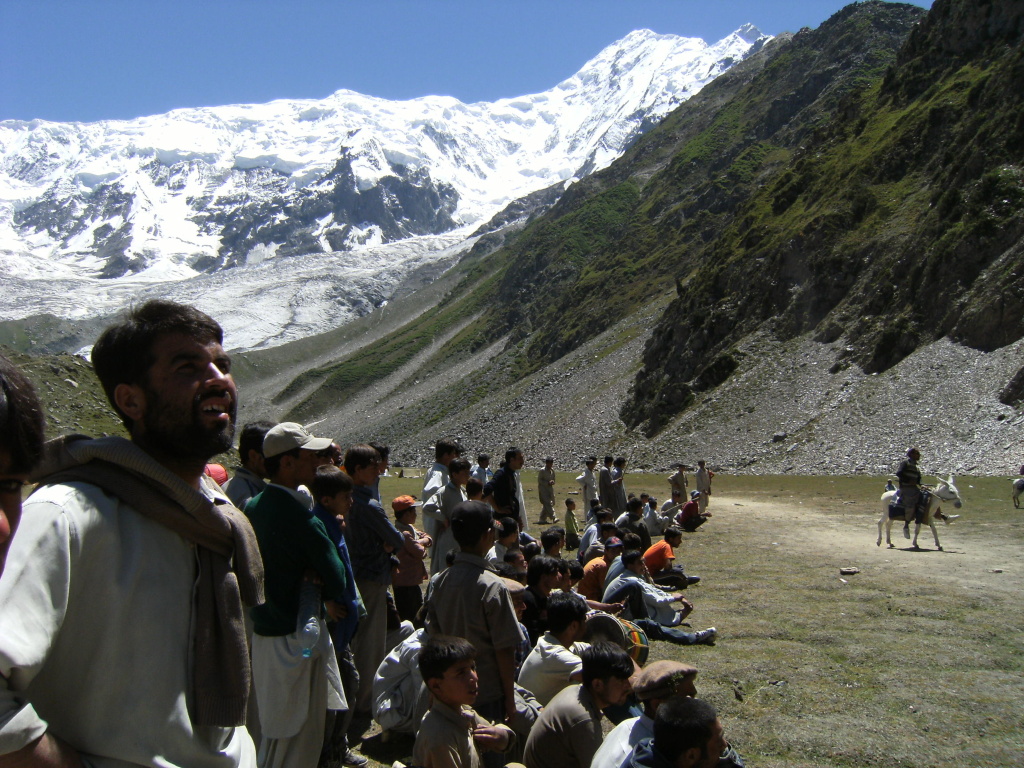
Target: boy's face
570,505
459,685
339,504
365,475
460,478
407,516
519,563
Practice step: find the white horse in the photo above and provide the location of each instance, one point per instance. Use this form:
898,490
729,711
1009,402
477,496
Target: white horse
946,491
1018,490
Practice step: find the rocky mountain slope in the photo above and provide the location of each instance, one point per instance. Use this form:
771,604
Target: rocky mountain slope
316,211
727,286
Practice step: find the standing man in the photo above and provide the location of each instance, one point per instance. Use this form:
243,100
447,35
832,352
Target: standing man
293,541
619,496
445,449
372,538
503,492
604,485
910,487
546,491
588,487
123,591
702,481
482,469
249,477
677,480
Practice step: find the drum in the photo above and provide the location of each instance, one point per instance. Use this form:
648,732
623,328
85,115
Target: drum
625,634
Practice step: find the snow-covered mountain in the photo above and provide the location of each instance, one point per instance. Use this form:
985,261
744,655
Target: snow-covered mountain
287,218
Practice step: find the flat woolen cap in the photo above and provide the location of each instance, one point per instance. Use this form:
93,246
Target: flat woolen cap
288,436
661,679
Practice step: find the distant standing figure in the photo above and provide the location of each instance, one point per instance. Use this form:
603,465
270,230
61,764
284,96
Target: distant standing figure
604,484
588,486
546,491
619,496
702,480
482,469
677,480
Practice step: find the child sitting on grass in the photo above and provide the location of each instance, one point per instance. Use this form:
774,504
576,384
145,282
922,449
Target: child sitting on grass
451,734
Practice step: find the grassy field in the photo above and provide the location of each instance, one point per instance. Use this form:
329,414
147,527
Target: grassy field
914,661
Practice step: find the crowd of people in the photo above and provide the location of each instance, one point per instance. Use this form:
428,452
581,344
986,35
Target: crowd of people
154,613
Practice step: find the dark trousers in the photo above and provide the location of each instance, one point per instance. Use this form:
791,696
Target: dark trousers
338,722
408,601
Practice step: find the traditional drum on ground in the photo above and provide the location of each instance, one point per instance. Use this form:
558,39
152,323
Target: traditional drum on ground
624,633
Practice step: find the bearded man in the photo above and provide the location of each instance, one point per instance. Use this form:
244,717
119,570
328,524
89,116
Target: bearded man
123,640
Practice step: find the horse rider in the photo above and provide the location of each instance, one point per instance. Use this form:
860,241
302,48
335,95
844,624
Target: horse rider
910,486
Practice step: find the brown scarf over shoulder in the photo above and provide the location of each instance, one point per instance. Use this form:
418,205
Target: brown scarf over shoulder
230,567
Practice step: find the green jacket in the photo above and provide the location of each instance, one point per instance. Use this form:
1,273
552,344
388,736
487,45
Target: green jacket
292,540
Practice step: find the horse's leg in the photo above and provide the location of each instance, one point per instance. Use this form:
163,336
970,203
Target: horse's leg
881,520
888,532
917,530
935,535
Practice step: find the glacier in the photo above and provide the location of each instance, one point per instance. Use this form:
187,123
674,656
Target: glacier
289,218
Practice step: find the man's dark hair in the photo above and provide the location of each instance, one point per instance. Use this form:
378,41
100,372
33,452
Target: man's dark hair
123,354
673,533
634,504
511,453
569,500
359,456
507,570
604,660
604,530
604,515
620,461
630,557
273,463
470,521
551,537
22,427
608,459
446,445
510,555
440,652
590,459
458,465
474,487
329,481
563,609
631,541
575,570
540,566
251,438
683,723
384,451
482,458
450,555
508,527
531,549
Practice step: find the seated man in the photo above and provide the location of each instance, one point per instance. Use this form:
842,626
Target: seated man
655,683
661,565
591,586
690,518
651,608
568,732
554,663
687,734
451,734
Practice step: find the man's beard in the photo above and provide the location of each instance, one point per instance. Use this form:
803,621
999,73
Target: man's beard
183,435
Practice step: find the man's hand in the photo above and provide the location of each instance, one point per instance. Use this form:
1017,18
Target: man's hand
490,738
335,610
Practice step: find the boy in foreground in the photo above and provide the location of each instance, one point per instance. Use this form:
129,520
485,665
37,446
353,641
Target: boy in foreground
451,734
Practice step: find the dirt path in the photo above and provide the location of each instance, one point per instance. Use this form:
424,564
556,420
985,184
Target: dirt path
977,554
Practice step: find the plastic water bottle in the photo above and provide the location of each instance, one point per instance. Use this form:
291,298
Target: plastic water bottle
307,627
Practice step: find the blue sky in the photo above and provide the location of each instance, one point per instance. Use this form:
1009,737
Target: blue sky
85,60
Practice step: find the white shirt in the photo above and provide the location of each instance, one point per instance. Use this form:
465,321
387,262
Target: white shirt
617,747
549,666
